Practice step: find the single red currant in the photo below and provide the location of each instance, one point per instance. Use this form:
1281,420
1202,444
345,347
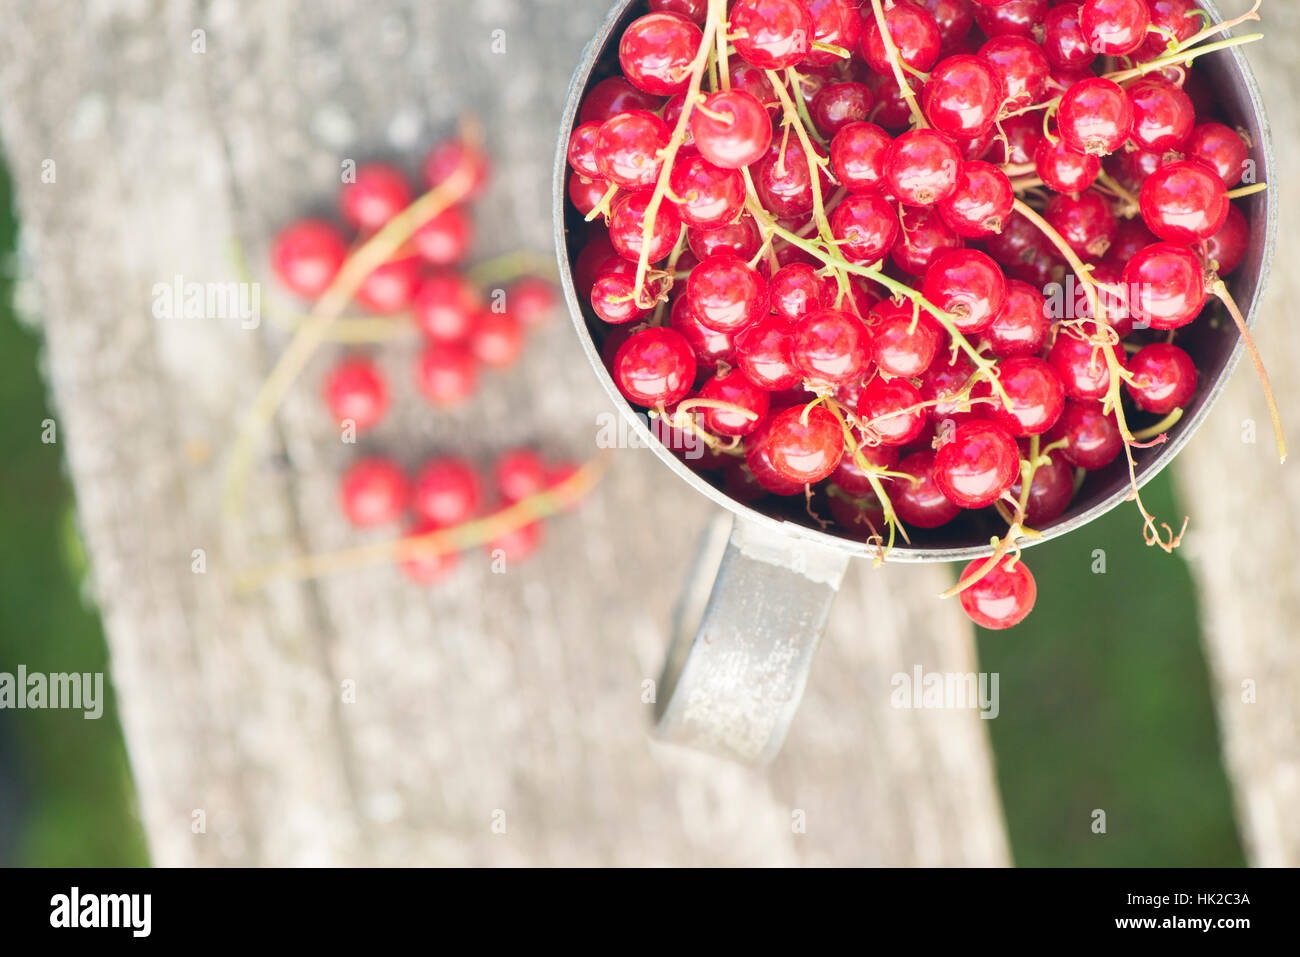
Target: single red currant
904,341
1022,325
969,285
1036,395
1165,284
981,203
804,443
914,32
976,464
1050,491
307,255
1163,115
963,96
373,491
445,239
391,287
627,149
830,347
772,34
1022,68
378,193
1227,248
1220,147
447,491
1080,365
922,168
740,239
1002,598
1064,169
923,234
355,391
1085,221
1164,378
655,367
446,373
1094,116
710,347
726,293
1184,202
1091,437
836,105
1063,38
865,225
657,50
1115,27
731,129
457,156
764,353
734,388
891,410
627,228
613,96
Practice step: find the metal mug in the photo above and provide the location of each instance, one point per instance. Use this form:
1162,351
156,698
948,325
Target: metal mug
731,686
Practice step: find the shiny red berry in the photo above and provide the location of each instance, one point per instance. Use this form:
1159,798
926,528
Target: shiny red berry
1002,598
627,224
1184,202
764,353
1163,115
976,464
1020,328
657,50
1085,221
1081,365
446,491
1164,378
1036,395
922,167
914,32
373,491
734,388
446,373
918,500
1114,27
612,96
963,96
903,342
858,157
981,203
1226,249
1165,284
1021,67
772,34
1092,438
830,347
1064,169
922,235
889,409
726,293
355,390
804,444
307,255
1094,116
378,193
627,148
655,367
969,285
1219,147
865,225
731,129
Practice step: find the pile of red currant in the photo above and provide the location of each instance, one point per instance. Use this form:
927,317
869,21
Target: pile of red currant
463,329
829,238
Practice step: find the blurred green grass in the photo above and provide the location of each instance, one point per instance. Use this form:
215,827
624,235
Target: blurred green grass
76,796
1105,704
1104,694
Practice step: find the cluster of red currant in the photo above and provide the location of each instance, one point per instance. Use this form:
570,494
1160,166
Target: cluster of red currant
824,236
408,258
447,493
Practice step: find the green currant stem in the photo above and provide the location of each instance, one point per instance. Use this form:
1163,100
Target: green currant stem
895,63
793,119
602,205
1247,190
717,12
796,88
1184,57
1164,425
1221,290
851,442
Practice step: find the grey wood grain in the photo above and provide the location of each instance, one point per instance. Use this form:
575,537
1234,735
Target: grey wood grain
1245,510
518,693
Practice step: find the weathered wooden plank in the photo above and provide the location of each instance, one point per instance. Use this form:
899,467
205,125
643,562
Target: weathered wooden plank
518,692
1246,513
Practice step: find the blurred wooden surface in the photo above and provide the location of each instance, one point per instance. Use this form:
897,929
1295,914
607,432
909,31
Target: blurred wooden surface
1245,508
517,693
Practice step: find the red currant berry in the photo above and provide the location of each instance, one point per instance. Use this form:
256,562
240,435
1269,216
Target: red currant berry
865,226
1219,147
1178,18
918,501
445,239
758,459
1063,38
796,290
740,239
1130,236
373,491
627,149
595,259
969,285
976,464
496,339
1022,67
446,373
627,228
532,300
731,129
963,96
830,347
582,150
772,34
613,96
837,23
1094,116
1163,115
1036,395
1227,247
954,19
1164,378
1019,141
307,255
1021,327
707,195
1092,438
922,168
355,391
447,491
657,50
1017,18
804,443
519,474
1063,169
1002,598
923,234
586,194
836,105
1184,202
914,32
858,157
391,287
1115,27
378,193
655,367
891,410
903,342
726,293
1085,221
1080,365
764,353
734,388
1049,492
982,202
1026,253
1165,285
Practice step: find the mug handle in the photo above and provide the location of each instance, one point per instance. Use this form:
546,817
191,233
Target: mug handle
731,686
